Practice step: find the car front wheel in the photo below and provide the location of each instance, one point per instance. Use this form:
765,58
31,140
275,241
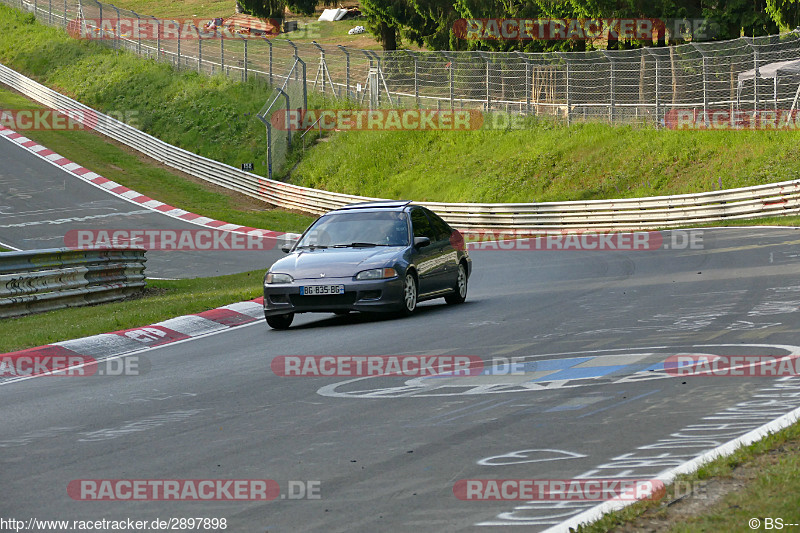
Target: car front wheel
460,289
280,321
409,295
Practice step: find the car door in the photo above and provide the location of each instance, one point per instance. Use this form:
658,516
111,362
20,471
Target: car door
447,269
425,257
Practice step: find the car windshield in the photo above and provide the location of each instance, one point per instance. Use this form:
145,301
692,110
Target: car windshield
358,229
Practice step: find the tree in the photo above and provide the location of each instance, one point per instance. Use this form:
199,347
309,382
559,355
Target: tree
786,13
384,18
264,8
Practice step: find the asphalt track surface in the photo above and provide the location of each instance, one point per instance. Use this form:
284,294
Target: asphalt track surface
40,203
387,451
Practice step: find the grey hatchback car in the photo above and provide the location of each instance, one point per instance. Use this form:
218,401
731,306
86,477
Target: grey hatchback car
368,257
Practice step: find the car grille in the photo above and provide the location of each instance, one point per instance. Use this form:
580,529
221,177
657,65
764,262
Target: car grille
324,300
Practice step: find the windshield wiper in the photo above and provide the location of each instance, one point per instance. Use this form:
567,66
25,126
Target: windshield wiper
358,245
311,246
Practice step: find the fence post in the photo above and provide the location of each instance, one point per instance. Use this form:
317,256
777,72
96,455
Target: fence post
527,82
452,64
322,67
50,12
755,75
117,29
705,83
657,90
179,42
567,89
199,48
488,81
416,78
65,13
138,33
305,83
383,78
101,18
245,59
347,69
222,52
612,95
158,38
296,57
266,39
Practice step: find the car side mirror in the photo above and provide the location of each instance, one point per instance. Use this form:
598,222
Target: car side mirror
285,248
421,242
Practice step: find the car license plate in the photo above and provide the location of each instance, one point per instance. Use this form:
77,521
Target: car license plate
316,290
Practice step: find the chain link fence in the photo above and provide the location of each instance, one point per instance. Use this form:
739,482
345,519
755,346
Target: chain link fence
618,86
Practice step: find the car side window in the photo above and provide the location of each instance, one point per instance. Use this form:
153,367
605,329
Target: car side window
421,224
439,226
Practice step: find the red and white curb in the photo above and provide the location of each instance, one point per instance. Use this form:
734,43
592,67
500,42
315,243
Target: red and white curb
109,345
129,194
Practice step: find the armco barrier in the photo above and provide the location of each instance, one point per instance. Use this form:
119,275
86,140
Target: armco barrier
635,213
44,280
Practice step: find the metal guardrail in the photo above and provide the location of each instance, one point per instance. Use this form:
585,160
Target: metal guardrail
636,213
45,280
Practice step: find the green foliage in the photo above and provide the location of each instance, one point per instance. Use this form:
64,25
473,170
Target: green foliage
264,8
545,163
430,22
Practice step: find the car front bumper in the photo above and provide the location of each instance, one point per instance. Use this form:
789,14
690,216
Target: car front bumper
383,295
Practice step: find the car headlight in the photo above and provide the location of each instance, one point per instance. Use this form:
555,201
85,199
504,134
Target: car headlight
277,278
377,273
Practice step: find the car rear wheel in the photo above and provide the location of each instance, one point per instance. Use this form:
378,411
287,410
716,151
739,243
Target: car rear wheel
409,295
460,293
280,321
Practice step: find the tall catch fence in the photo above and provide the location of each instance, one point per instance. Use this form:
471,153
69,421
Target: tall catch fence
619,86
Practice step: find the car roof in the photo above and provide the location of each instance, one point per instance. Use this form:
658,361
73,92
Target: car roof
387,204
